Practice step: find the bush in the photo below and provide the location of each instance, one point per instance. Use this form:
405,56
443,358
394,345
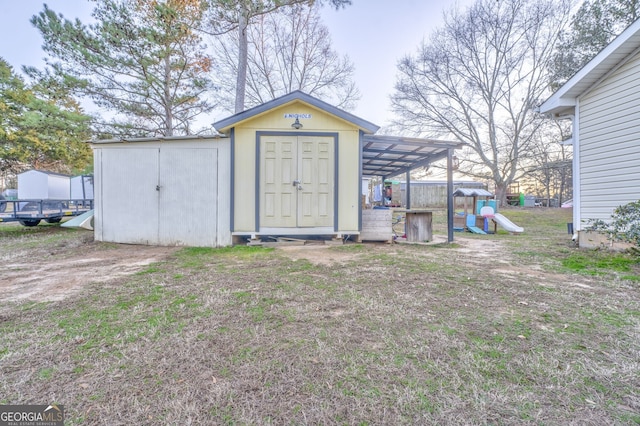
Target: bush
624,225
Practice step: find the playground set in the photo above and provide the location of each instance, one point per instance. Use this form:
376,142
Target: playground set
484,218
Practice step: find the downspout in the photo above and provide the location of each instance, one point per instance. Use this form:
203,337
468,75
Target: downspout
360,155
577,216
232,181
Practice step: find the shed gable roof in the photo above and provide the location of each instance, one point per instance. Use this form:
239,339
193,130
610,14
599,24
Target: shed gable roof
298,95
620,50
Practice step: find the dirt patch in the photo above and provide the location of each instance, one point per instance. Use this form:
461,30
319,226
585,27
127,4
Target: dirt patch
60,273
481,248
63,271
318,254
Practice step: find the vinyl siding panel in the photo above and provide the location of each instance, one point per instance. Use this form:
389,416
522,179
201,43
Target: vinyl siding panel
616,114
626,170
618,149
610,143
349,195
244,177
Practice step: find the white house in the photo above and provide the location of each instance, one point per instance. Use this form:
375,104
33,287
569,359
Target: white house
603,101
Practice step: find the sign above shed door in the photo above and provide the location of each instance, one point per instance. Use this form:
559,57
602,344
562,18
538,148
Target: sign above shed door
296,181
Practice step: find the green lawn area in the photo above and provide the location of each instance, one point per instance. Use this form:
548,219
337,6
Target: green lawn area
492,329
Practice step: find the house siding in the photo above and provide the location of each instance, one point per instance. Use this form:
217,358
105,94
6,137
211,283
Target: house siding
610,143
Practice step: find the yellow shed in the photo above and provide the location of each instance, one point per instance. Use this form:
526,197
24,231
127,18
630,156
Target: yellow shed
295,168
290,167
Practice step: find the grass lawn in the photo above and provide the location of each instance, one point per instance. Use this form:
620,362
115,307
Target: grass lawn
494,329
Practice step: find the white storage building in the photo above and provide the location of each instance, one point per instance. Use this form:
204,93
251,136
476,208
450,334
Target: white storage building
82,187
167,191
42,185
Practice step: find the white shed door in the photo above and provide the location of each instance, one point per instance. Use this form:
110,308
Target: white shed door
129,199
297,181
188,182
160,197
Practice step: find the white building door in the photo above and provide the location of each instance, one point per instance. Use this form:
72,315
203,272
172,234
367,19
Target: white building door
128,202
188,191
156,196
296,181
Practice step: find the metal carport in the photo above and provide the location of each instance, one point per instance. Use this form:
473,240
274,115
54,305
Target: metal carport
389,156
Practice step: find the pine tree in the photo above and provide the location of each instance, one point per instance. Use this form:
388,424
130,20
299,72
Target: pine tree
41,126
141,60
592,28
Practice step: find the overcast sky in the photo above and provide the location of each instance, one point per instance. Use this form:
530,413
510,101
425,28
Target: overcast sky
375,34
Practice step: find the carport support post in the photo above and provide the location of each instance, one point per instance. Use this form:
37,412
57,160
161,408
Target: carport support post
450,195
407,191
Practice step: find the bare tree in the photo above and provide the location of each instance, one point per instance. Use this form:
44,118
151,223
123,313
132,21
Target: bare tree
289,50
479,78
550,162
229,15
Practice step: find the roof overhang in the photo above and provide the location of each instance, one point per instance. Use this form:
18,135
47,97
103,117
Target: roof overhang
234,120
389,156
616,54
156,139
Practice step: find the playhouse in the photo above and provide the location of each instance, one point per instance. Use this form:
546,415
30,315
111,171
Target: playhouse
480,214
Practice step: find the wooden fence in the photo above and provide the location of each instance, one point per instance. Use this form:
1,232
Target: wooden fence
433,195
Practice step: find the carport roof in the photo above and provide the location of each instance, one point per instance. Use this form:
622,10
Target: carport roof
389,156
